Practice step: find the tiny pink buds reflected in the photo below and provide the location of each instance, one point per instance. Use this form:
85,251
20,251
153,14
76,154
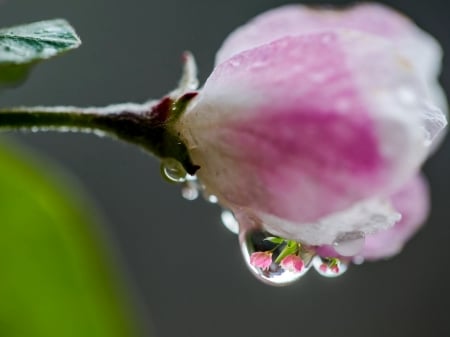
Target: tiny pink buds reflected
330,264
261,260
292,263
323,267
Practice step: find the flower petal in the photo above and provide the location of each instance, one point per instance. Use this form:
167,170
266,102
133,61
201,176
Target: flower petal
412,201
310,125
421,49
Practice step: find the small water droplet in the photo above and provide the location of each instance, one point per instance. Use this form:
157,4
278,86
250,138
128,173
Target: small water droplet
213,199
358,259
229,221
349,243
173,171
189,191
210,197
329,267
254,244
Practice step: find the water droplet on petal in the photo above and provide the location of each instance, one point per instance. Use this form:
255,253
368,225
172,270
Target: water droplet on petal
229,221
173,171
329,267
213,199
358,259
261,252
349,244
210,197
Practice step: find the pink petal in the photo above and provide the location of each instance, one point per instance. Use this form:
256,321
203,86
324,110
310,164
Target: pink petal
422,50
371,18
307,126
412,201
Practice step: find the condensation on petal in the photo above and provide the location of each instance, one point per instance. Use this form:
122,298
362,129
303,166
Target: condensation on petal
412,201
371,18
367,217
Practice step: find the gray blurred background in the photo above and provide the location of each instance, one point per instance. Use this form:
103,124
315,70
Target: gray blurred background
200,287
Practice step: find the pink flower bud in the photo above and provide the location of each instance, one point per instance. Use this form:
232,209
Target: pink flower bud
261,260
292,263
323,267
312,119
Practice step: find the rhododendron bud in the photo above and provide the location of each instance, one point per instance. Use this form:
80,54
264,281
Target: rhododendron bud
313,120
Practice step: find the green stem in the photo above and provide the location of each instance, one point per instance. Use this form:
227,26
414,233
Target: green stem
146,125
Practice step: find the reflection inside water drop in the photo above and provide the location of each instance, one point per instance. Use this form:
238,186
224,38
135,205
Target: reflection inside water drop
329,267
273,260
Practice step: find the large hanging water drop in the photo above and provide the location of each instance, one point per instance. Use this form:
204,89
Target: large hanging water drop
329,267
173,171
273,260
349,244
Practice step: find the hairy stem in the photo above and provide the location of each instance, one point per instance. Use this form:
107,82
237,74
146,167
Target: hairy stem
146,125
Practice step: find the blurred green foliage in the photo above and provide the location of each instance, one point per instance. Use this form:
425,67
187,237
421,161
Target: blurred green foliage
55,280
56,277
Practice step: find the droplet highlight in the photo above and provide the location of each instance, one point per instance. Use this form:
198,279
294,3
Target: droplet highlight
329,266
211,198
173,171
349,244
191,188
229,221
274,260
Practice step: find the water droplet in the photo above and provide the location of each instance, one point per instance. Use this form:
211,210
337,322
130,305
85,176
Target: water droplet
358,259
189,191
349,243
266,252
213,199
191,188
329,267
210,197
173,171
229,221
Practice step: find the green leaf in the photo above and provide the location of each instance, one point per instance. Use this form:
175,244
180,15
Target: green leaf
56,278
23,46
274,239
290,248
